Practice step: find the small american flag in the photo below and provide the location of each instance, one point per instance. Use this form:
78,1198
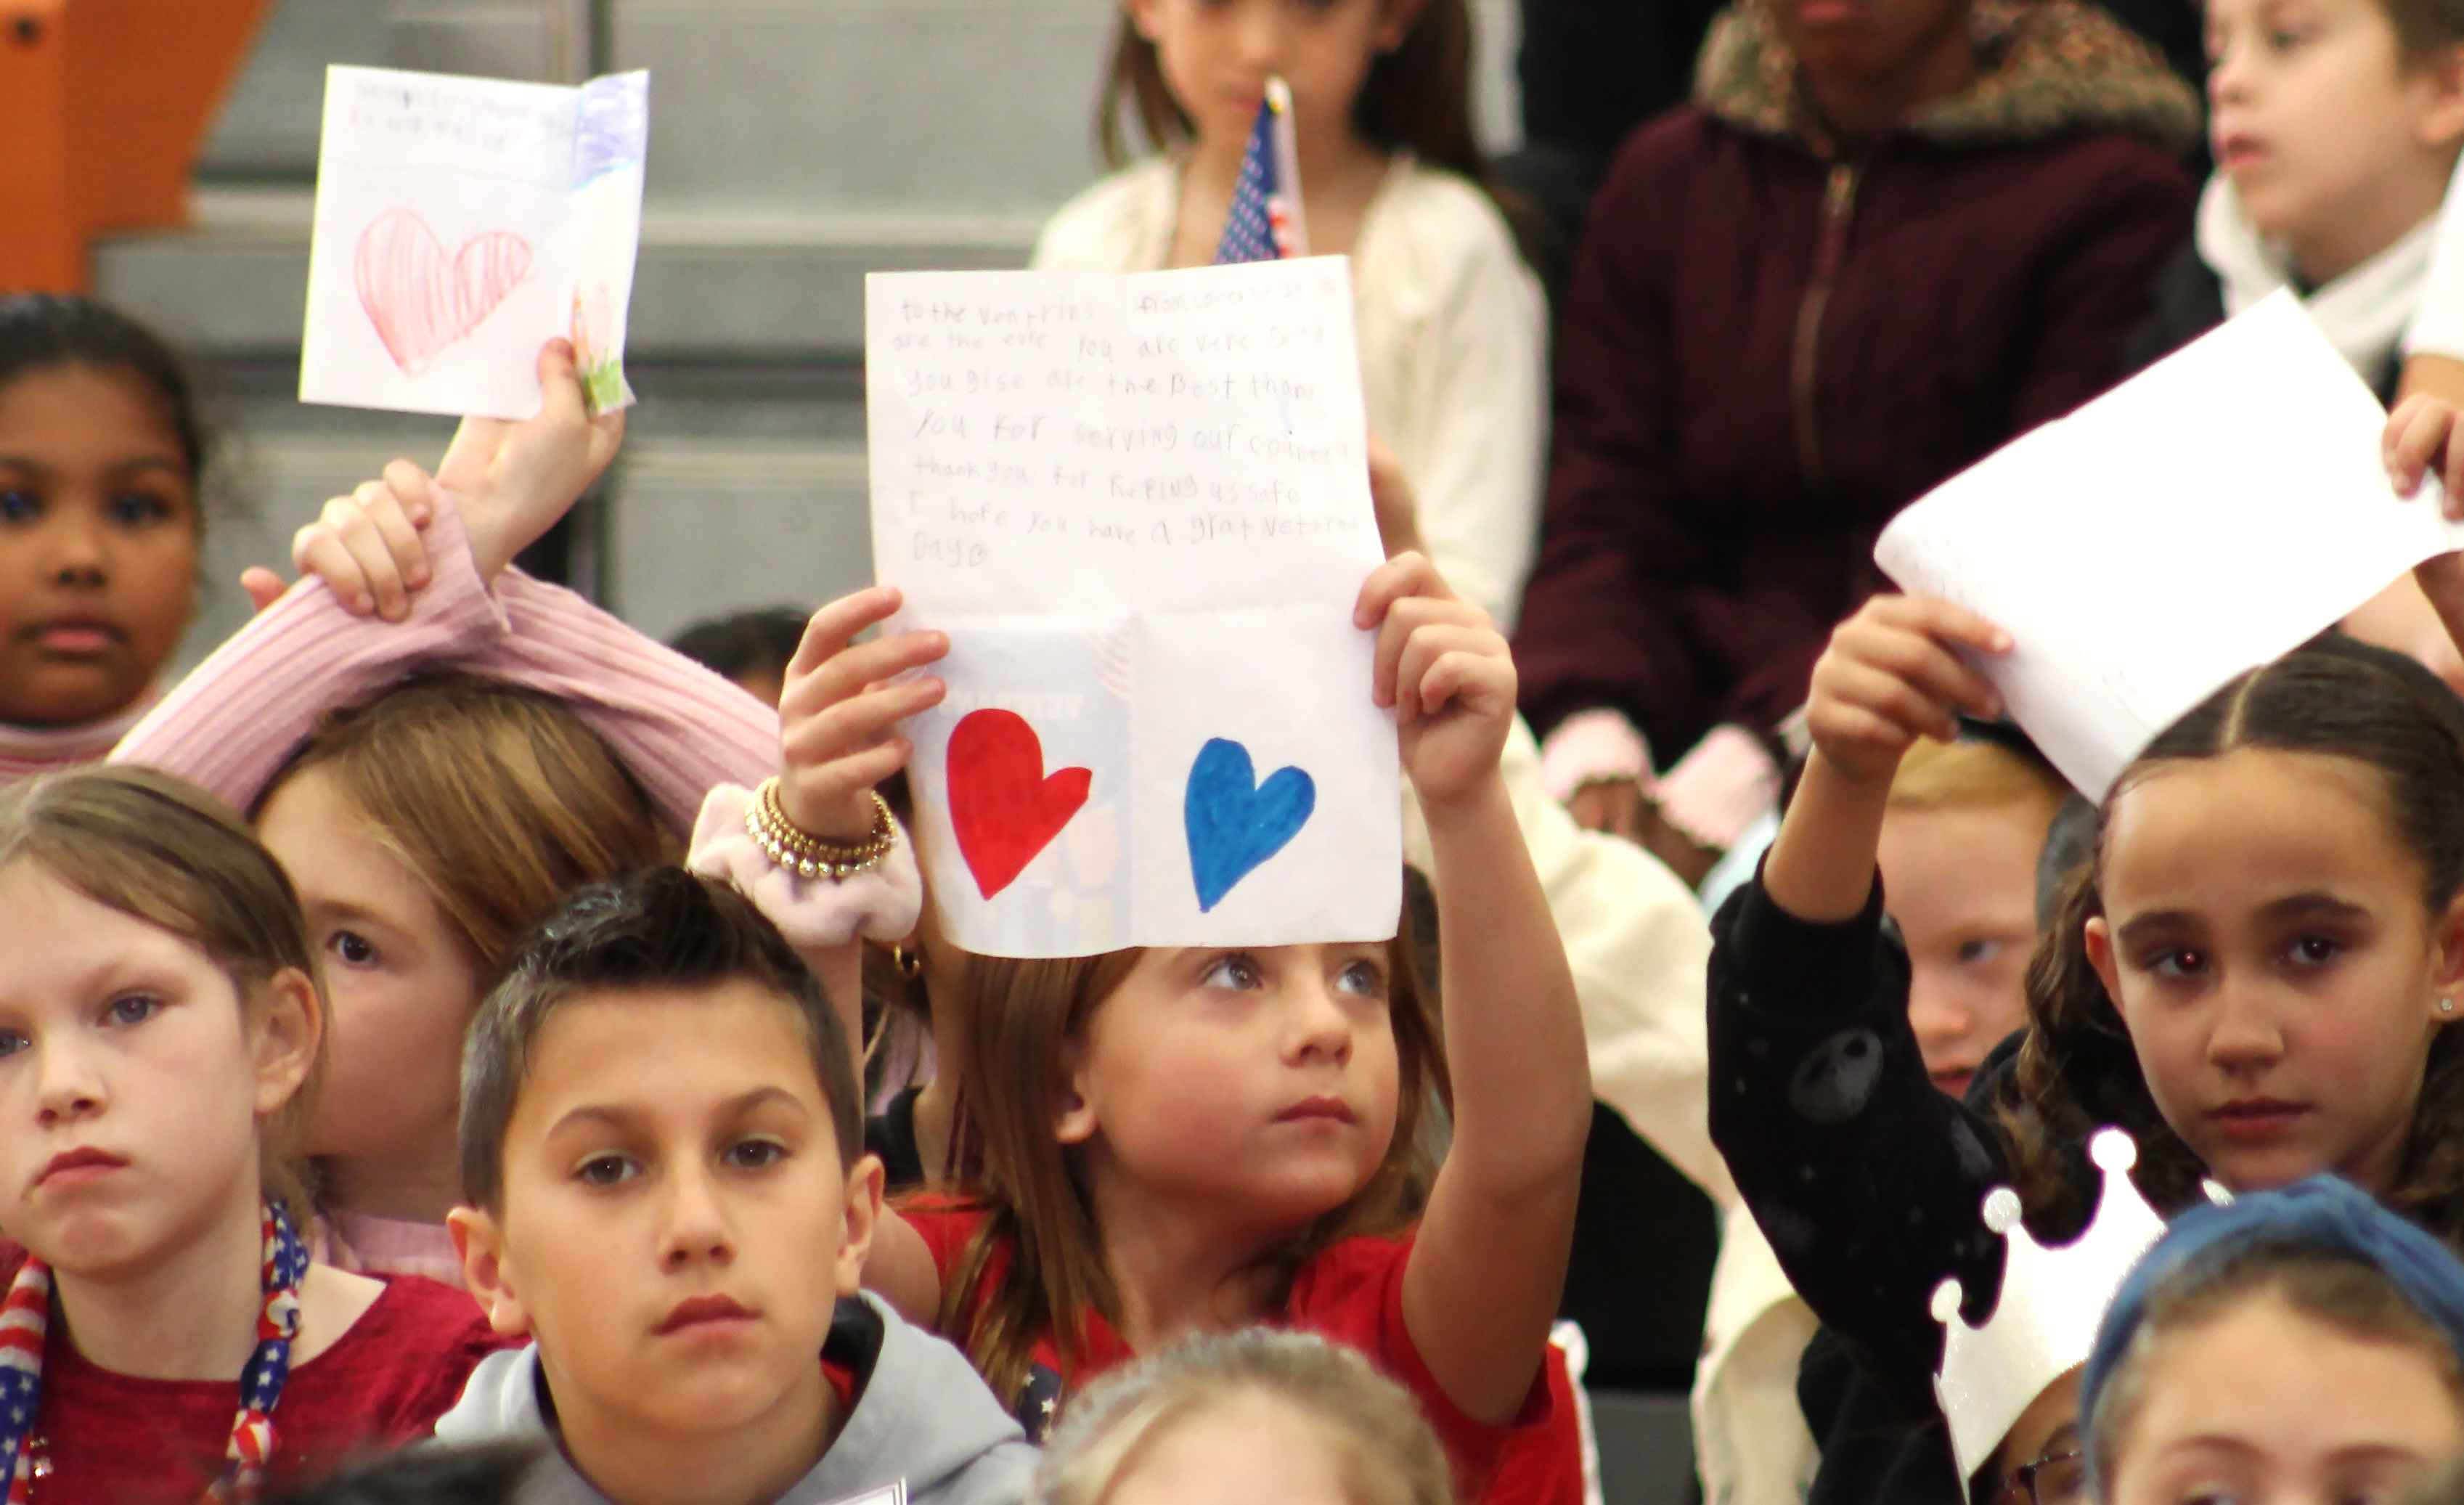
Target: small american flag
1264,223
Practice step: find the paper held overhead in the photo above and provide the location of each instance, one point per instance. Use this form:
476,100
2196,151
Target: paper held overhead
1139,506
461,224
2207,515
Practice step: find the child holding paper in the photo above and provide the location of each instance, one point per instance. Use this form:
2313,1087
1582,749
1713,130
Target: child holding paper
1238,1131
2252,977
102,458
1452,323
162,1041
433,787
669,1196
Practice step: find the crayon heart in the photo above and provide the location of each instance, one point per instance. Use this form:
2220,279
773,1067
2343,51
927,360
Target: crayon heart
420,299
1236,823
1004,808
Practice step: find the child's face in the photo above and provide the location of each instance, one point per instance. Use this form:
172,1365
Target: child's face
1247,1449
1259,1085
677,1228
2265,941
400,982
2316,120
2265,1406
1217,55
132,1080
2044,1433
1860,41
1962,885
98,545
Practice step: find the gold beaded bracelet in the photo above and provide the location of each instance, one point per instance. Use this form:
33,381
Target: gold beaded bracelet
766,822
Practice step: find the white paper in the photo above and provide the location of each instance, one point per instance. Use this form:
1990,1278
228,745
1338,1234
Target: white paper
2207,516
462,223
1139,506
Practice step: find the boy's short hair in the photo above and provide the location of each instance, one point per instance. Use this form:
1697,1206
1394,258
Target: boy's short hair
1974,774
658,928
2422,27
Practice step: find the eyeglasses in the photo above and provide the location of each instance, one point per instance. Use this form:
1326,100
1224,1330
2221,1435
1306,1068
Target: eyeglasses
2057,1479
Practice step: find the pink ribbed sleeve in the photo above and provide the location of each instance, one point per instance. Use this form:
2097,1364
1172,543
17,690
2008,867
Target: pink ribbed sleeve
230,725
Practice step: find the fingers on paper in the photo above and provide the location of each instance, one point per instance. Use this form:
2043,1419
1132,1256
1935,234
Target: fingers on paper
1447,664
2417,438
1404,577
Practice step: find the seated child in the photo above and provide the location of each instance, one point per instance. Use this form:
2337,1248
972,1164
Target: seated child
2302,1346
668,1194
1253,1415
102,458
160,1039
1192,1140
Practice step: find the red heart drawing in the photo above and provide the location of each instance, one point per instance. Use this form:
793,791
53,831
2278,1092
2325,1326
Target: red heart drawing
1004,808
419,300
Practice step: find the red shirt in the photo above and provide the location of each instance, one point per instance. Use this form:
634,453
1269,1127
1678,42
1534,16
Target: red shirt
1351,1293
107,1436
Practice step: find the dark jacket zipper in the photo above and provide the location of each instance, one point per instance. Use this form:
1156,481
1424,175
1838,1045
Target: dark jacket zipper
1838,205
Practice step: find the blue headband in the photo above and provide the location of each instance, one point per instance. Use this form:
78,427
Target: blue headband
2324,1213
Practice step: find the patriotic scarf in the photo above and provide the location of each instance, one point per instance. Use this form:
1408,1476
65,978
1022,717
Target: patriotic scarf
26,1314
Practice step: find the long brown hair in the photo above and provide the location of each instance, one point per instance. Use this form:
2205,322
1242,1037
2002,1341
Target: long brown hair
1023,1016
1416,98
498,798
2077,1070
163,852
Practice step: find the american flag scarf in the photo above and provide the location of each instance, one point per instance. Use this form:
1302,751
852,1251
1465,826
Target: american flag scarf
26,1312
1264,222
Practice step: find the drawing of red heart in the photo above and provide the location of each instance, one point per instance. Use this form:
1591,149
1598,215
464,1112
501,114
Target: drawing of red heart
420,300
1003,807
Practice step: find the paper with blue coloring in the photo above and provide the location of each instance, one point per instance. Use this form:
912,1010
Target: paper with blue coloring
2210,513
1139,506
462,223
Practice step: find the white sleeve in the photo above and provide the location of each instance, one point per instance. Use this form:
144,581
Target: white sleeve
1639,947
2437,325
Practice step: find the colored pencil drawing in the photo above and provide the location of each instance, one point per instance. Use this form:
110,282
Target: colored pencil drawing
422,301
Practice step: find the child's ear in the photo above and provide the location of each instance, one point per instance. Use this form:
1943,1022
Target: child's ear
2446,982
481,1243
864,1196
2442,120
2099,956
1147,15
1073,1117
284,1030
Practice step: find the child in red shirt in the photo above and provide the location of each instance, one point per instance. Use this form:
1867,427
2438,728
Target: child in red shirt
1184,1141
162,1031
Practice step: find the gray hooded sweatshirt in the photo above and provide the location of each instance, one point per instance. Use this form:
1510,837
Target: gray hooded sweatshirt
922,1415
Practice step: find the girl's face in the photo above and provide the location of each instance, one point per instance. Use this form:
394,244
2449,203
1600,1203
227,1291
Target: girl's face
1962,885
403,986
2322,128
98,545
1257,1085
1217,55
2265,941
2266,1405
132,1080
1250,1448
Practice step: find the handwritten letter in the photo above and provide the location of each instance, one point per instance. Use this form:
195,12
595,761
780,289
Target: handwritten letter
461,222
2210,515
1139,506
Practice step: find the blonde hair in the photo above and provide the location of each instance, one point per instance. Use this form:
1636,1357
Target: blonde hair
163,852
1972,776
1039,1247
1382,1448
498,798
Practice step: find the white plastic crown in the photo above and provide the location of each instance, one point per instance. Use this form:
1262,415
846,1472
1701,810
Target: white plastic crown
2051,1302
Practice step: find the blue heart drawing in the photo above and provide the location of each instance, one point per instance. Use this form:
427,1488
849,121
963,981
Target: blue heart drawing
1236,823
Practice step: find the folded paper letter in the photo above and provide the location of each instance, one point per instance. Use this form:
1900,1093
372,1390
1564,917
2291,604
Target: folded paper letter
461,222
1139,506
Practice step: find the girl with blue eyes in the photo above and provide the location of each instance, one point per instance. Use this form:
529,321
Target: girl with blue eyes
101,455
2251,973
1169,1141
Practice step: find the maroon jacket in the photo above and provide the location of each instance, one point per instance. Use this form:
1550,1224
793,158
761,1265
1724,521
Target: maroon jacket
1767,351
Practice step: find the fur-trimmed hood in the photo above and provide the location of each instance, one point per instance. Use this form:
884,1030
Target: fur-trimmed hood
2047,68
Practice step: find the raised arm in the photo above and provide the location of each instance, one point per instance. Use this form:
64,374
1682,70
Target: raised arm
1488,1267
